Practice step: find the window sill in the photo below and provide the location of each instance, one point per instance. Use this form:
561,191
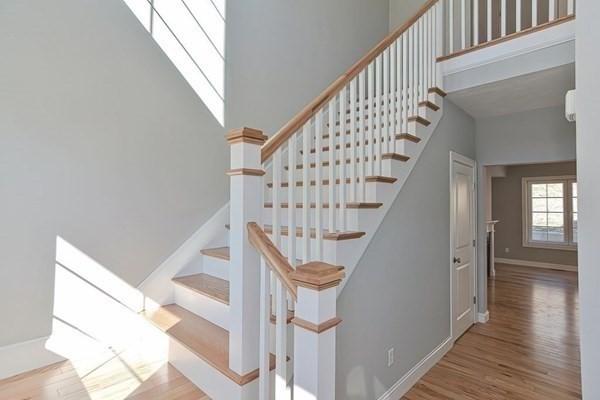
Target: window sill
551,246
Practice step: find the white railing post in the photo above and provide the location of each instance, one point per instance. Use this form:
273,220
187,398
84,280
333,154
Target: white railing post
476,22
314,330
246,205
534,13
518,10
489,20
503,18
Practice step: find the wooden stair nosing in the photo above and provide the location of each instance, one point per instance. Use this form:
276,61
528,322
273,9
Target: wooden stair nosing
206,285
349,205
217,252
338,236
325,182
206,340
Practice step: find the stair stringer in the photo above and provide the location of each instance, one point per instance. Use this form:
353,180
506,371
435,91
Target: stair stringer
348,253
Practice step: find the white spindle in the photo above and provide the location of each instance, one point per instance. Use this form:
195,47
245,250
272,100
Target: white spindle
331,165
392,96
398,96
404,92
503,18
305,193
291,239
361,136
422,48
370,119
534,13
276,197
551,10
463,24
451,27
281,391
489,20
518,10
353,155
427,80
318,177
377,140
265,328
386,101
415,75
475,22
570,7
342,158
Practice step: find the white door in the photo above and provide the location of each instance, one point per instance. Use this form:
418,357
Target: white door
462,225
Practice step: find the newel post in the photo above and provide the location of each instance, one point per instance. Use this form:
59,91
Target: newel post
315,324
246,203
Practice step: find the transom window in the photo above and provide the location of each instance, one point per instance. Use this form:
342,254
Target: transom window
550,212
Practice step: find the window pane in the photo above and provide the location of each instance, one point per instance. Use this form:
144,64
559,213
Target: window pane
538,190
555,205
556,220
575,230
556,235
555,190
539,234
575,205
539,205
574,189
540,219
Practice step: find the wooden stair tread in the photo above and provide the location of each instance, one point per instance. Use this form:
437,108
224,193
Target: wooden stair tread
325,182
207,285
313,233
217,252
349,205
208,341
387,156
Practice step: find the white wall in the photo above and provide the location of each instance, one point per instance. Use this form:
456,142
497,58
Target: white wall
588,175
103,143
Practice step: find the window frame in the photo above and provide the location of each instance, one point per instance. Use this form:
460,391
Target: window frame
567,182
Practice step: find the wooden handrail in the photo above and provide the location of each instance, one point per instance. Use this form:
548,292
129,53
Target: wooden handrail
314,106
273,257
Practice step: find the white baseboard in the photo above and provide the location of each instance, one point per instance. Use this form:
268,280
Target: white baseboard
483,318
26,356
405,383
536,264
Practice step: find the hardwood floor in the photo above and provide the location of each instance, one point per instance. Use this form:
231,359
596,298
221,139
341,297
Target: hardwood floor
529,350
108,376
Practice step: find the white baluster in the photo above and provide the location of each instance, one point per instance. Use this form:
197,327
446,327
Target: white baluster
451,27
551,10
393,93
518,10
318,178
276,234
386,101
405,64
361,135
377,140
331,168
305,192
534,13
353,154
342,157
291,239
503,18
371,119
427,61
422,48
281,391
463,24
398,97
475,22
570,7
489,20
265,329
415,82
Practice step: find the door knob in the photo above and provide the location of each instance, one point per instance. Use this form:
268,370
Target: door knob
457,260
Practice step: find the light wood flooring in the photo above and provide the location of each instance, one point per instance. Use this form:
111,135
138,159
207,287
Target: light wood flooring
529,350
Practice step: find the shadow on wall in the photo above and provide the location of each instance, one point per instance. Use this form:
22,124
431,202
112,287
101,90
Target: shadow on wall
98,329
192,35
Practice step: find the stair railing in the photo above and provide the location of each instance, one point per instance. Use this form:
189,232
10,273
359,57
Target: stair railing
312,288
320,161
472,24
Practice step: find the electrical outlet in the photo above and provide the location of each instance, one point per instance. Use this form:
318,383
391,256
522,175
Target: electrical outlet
390,357
507,250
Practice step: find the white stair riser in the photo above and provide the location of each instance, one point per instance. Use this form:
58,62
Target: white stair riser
216,267
203,306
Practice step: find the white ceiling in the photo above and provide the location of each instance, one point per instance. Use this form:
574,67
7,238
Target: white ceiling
527,92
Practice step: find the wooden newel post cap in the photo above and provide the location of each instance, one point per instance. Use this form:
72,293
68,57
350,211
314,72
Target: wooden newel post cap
246,135
318,275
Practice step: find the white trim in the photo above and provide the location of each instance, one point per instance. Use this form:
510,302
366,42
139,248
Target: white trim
537,264
483,318
402,386
456,157
26,356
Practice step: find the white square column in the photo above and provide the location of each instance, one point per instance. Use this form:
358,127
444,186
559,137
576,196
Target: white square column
246,203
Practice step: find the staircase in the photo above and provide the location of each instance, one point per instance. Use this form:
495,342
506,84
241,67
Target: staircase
259,320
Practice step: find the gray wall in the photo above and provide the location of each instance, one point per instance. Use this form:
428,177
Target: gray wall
507,207
588,174
103,143
402,10
401,285
535,136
